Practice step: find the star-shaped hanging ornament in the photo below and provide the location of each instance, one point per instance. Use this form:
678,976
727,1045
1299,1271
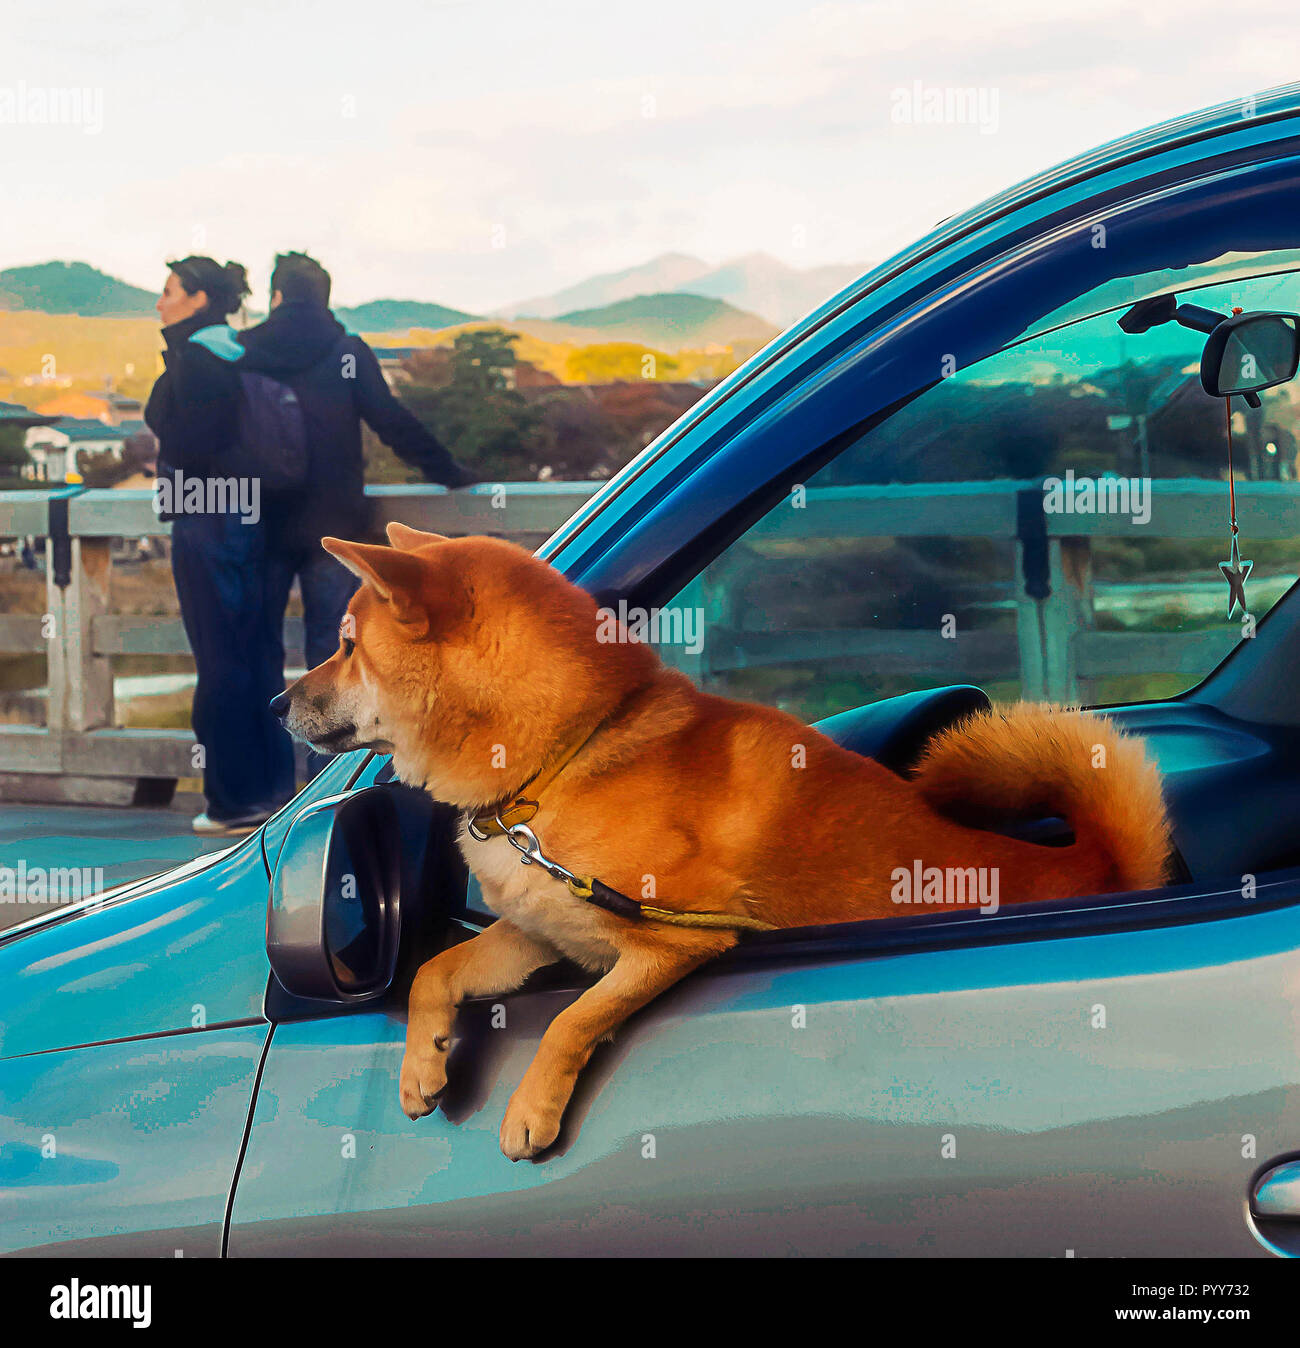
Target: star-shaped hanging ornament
1236,572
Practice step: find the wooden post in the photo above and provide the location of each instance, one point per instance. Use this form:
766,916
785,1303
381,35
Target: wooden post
53,624
1073,562
89,676
1029,637
1057,629
1046,626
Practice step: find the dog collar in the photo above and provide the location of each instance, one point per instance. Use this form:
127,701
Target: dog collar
518,808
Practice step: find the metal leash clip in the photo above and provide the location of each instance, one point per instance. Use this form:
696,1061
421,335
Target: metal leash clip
529,847
474,831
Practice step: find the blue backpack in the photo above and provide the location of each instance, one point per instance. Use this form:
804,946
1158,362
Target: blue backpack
271,440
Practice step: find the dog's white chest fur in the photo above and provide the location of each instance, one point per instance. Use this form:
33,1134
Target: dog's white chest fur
536,903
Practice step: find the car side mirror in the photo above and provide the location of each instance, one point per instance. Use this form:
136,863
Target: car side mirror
1250,352
333,917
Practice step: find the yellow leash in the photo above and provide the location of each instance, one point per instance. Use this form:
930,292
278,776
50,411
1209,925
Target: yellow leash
581,888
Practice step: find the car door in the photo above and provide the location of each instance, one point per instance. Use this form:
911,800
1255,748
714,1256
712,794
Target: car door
130,1038
1074,1083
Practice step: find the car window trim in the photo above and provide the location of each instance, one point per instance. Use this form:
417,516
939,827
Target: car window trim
1051,919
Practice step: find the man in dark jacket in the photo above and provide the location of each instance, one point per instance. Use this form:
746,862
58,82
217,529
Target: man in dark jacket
339,384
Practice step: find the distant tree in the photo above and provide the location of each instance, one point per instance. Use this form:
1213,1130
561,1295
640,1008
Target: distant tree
102,469
13,451
477,414
382,465
512,420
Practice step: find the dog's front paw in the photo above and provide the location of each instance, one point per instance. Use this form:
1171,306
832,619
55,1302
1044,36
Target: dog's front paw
530,1126
423,1078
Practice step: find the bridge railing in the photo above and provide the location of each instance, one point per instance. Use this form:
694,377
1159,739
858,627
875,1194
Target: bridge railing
79,633
1053,648
1056,649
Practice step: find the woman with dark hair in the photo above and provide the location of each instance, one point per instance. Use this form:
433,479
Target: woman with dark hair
193,405
217,551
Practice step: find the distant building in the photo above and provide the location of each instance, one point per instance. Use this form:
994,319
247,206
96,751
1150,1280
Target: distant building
15,415
392,361
54,445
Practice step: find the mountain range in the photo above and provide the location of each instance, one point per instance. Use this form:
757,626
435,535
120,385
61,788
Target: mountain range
756,283
72,288
400,315
672,301
670,322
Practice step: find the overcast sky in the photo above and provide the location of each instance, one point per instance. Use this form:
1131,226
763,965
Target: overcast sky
475,153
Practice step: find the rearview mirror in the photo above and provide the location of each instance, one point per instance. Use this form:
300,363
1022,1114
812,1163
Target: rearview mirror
1250,352
333,917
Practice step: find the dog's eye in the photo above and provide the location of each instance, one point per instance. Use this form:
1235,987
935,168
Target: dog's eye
348,646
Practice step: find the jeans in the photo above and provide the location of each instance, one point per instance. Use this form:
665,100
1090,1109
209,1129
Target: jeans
326,586
218,563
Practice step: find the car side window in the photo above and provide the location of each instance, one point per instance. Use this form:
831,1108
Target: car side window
1046,524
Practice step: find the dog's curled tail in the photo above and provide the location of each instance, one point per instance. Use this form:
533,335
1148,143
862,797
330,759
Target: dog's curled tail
1033,759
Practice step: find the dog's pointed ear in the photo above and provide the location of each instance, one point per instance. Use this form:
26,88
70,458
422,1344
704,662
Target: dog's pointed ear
403,536
395,577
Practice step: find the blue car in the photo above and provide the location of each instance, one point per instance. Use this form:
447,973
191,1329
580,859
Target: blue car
994,466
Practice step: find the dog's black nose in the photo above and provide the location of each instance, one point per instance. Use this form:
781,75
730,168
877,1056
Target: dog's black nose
280,704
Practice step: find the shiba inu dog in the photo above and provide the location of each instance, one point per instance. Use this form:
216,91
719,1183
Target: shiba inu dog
667,815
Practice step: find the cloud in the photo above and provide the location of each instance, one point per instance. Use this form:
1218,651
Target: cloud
501,151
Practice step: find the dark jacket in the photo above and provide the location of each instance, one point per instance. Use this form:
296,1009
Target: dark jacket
193,405
339,385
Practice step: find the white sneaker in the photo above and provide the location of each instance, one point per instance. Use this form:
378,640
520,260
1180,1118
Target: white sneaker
205,825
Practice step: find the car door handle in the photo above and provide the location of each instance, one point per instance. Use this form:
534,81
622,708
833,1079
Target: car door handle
1277,1193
